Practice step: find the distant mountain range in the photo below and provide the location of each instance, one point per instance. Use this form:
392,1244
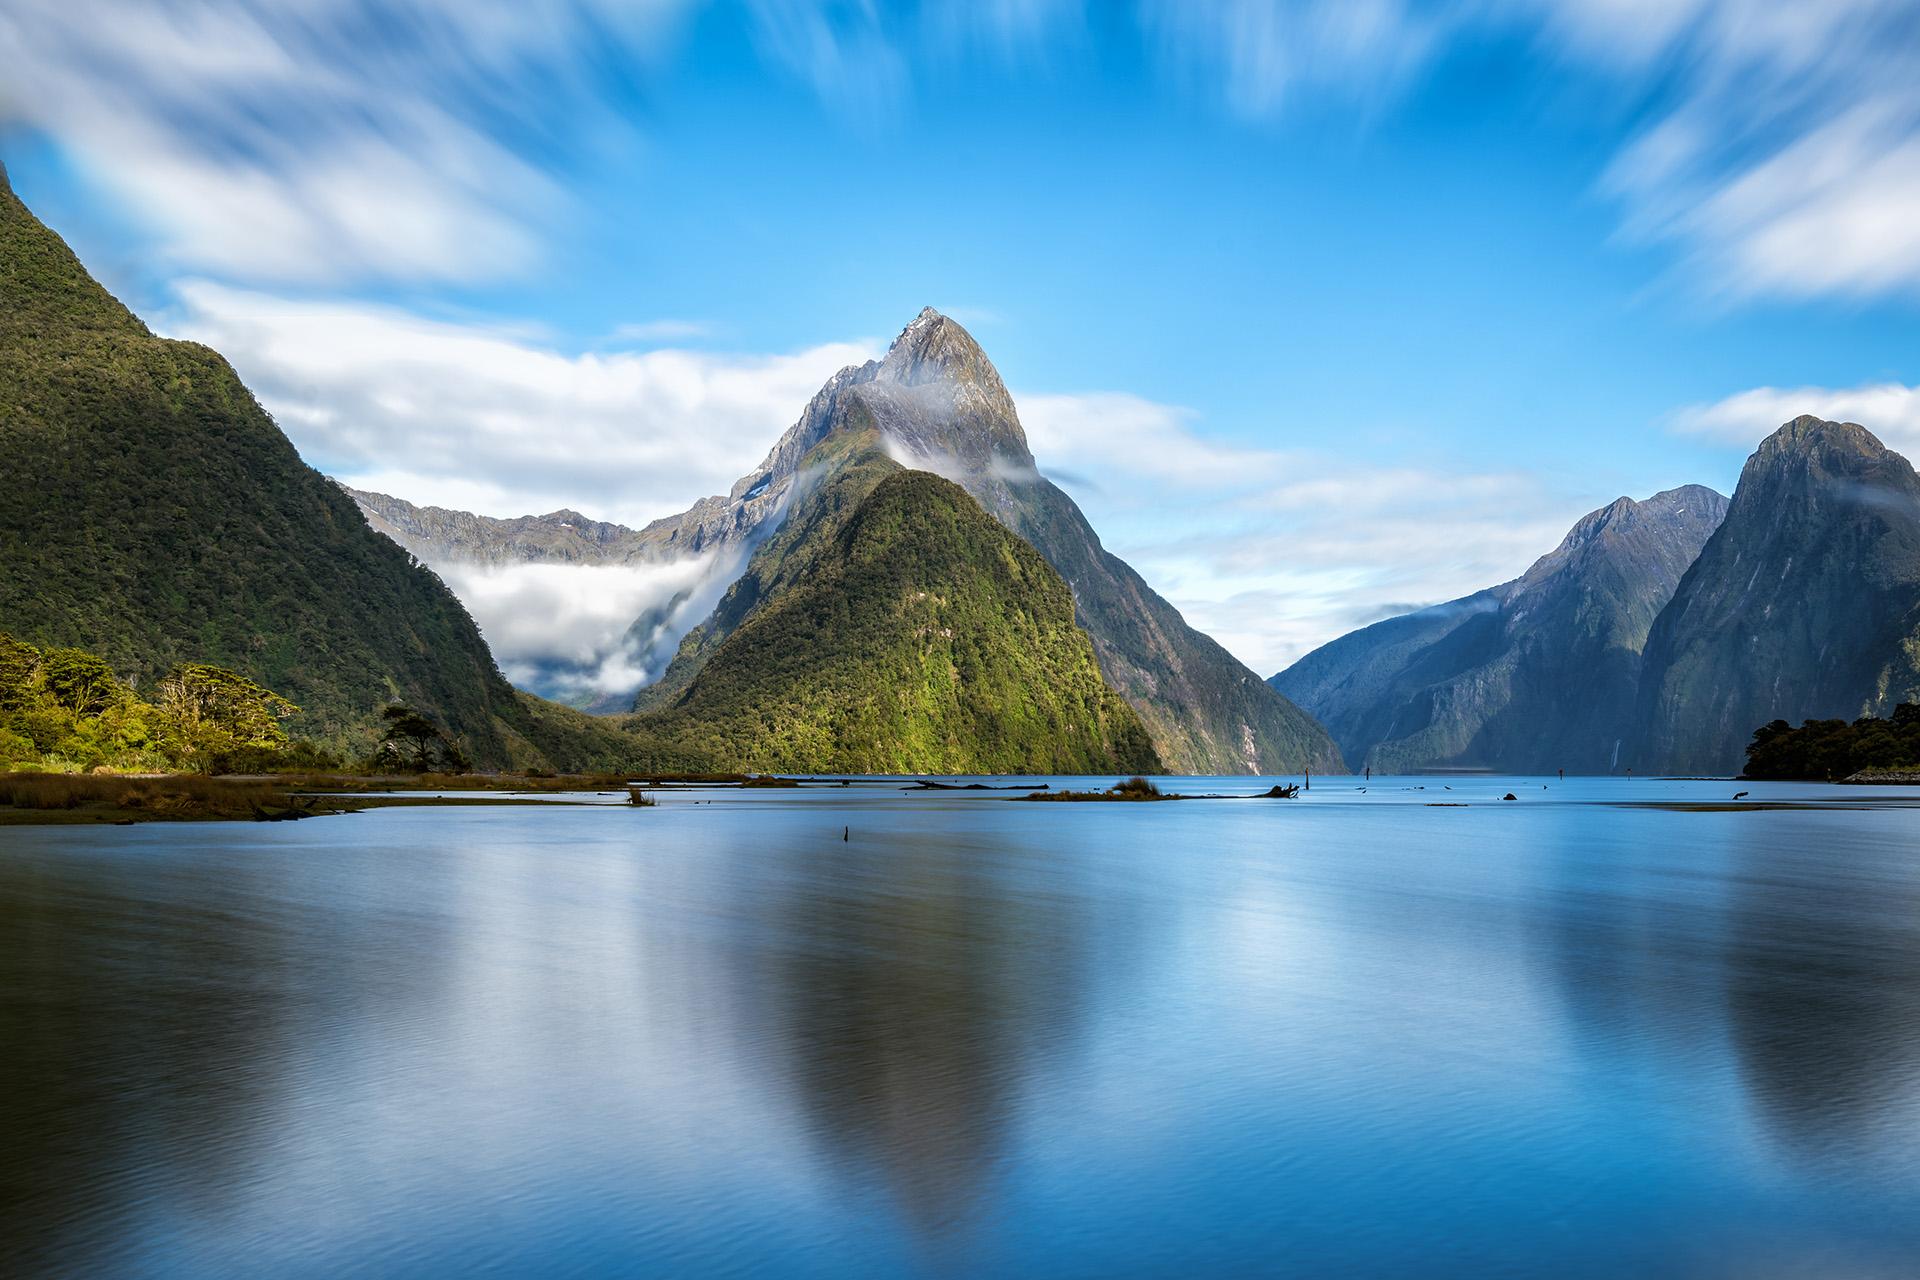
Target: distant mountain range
1660,634
1534,675
437,535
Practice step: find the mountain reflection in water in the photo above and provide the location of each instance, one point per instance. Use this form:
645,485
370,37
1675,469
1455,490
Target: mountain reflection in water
975,1038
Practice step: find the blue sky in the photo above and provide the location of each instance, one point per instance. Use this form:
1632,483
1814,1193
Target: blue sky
1318,308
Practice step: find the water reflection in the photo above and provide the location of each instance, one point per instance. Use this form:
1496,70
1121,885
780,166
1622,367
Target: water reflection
126,1073
1791,967
915,991
983,1039
1823,991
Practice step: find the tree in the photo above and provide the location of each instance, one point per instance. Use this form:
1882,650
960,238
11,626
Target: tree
209,702
81,682
19,674
413,741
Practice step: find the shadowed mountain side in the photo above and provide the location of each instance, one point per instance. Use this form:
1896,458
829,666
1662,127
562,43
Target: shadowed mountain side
1804,605
1534,675
898,629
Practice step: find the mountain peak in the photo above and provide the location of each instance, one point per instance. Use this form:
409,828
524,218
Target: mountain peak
1808,433
1634,529
1808,456
936,348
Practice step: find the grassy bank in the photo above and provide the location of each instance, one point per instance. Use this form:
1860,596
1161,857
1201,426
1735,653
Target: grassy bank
42,799
62,798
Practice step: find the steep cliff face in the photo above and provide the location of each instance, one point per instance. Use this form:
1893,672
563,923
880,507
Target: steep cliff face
935,403
1805,603
1532,676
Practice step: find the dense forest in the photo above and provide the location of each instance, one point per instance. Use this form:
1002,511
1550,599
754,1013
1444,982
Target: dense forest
1829,750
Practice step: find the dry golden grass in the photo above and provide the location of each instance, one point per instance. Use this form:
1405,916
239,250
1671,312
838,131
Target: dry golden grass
175,795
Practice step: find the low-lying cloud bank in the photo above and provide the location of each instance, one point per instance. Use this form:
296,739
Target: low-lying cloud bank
562,630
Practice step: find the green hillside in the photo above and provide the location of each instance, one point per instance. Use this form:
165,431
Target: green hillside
894,627
154,514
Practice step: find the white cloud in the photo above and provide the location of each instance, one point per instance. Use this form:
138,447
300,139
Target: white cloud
486,419
1138,439
1784,153
1890,410
1351,546
324,139
561,628
1779,147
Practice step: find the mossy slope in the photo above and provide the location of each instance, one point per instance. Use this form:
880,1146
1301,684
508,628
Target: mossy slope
894,627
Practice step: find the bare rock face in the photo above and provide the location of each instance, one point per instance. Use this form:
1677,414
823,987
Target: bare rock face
437,534
1535,675
1804,605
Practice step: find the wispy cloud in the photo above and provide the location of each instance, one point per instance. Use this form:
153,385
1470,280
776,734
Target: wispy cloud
1127,437
1780,143
1890,410
1274,552
648,332
1785,156
326,141
485,418
1271,54
1340,551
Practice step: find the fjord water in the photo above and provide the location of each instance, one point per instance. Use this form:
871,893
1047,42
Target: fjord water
856,1031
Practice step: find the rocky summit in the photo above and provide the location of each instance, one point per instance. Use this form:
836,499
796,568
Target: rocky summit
1804,604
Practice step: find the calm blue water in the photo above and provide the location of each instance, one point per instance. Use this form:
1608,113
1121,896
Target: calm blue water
1350,1035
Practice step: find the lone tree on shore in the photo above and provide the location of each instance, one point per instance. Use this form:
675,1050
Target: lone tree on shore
414,742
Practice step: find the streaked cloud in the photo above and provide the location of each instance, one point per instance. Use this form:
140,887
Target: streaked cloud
486,418
328,140
1785,159
1266,55
1890,410
1779,147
